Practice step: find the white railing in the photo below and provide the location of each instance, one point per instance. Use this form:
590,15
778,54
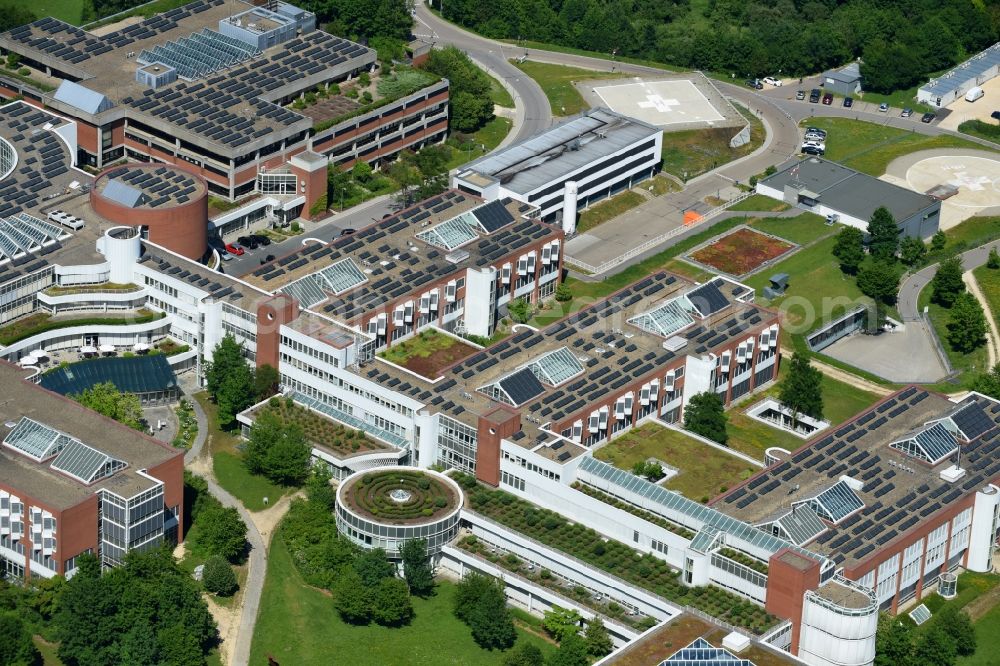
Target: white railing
654,242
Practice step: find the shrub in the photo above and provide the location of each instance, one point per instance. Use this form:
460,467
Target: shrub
545,574
218,577
551,523
295,226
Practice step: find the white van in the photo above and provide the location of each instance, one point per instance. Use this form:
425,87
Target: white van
974,94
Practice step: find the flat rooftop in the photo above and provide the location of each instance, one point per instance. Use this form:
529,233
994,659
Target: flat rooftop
149,186
394,257
39,480
848,191
972,68
559,150
232,108
897,492
583,357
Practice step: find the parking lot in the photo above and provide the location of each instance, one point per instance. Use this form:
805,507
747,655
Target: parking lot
960,110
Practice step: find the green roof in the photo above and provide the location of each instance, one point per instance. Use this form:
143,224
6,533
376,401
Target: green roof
139,374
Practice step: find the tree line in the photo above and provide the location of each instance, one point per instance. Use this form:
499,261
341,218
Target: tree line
901,41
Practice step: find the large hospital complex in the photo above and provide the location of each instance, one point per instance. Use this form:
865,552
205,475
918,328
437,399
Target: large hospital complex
863,517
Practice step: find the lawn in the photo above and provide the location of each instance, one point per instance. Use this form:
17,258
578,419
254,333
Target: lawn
870,147
741,251
70,11
557,84
964,364
760,203
297,624
989,284
981,129
689,153
704,471
499,94
802,229
227,464
427,353
528,45
490,135
609,209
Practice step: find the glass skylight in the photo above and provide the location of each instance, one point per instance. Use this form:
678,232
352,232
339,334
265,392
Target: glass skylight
931,444
36,440
556,367
835,503
667,319
338,277
453,233
85,464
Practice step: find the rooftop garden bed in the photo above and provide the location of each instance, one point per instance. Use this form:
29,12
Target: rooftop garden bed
428,353
400,496
744,559
57,290
742,251
642,570
634,510
322,431
42,322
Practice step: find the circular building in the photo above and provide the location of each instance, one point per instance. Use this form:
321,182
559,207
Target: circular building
385,507
169,203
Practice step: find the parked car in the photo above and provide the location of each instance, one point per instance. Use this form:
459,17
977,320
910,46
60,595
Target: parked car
755,84
883,107
848,102
812,150
814,144
995,115
232,248
771,81
263,241
264,260
800,95
927,117
225,256
814,95
811,137
817,131
828,99
907,113
248,241
347,232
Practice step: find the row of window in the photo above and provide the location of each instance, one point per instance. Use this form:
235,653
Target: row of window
532,467
308,350
512,481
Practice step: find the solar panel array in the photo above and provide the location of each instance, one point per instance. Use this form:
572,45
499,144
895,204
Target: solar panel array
216,284
42,157
159,186
897,496
60,40
393,270
521,386
157,24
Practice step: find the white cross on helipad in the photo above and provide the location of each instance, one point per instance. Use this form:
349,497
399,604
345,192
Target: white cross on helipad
657,102
964,179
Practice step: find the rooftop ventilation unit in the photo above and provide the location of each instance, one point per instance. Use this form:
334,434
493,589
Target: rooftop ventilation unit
457,256
952,474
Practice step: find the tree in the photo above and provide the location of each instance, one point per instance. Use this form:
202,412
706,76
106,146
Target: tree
559,622
596,636
563,293
468,592
879,281
416,567
883,235
16,648
352,598
525,654
265,382
705,415
938,241
373,566
226,356
935,648
993,260
947,283
912,251
13,15
967,324
959,627
850,249
318,488
221,531
520,310
277,450
229,380
105,398
218,577
480,602
801,391
470,101
988,383
391,605
893,642
572,652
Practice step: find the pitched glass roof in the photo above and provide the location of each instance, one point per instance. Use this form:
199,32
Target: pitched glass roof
932,444
23,233
689,513
836,502
84,463
122,193
452,233
666,319
342,276
556,367
702,653
199,54
337,278
35,440
801,524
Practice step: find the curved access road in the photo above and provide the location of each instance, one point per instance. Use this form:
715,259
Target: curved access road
909,291
532,112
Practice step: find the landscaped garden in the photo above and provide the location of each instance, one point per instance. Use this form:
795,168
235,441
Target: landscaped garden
742,251
319,430
760,203
41,322
704,471
645,571
398,496
187,425
428,353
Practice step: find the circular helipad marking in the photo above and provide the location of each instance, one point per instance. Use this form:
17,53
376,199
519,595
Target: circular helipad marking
977,179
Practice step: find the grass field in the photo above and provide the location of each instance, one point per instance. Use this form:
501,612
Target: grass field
557,84
608,209
869,147
981,129
227,463
689,153
522,46
987,641
965,364
499,94
70,11
760,203
989,284
490,135
298,625
704,471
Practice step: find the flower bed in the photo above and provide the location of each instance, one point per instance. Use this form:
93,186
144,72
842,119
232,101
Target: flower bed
642,570
322,431
741,251
634,510
399,496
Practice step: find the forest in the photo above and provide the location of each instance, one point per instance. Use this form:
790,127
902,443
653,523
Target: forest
900,42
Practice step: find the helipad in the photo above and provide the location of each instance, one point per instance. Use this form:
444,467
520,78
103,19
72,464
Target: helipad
661,103
977,179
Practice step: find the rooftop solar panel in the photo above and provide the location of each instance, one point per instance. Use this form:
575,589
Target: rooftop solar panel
522,386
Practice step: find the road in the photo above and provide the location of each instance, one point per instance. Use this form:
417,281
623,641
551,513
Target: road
254,584
909,291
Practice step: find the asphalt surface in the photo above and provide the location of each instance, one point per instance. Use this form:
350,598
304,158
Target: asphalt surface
909,291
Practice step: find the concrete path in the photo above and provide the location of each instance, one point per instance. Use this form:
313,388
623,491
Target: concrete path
198,459
992,336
